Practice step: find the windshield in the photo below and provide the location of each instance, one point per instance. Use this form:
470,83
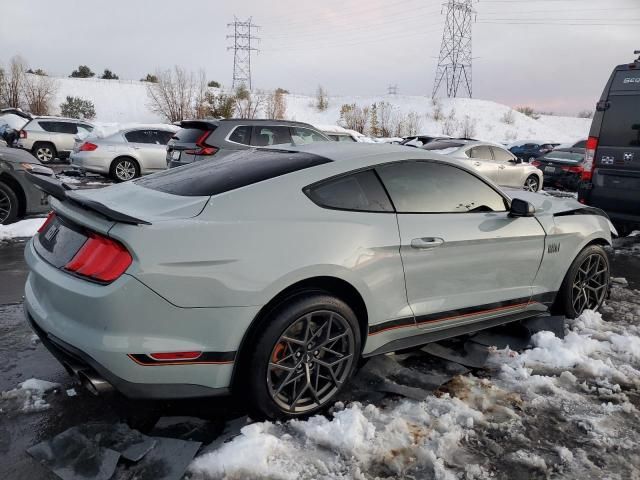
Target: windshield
442,146
567,157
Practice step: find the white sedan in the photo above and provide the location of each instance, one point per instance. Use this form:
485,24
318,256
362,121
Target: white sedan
493,161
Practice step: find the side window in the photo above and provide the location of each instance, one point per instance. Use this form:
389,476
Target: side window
346,138
164,136
241,135
84,130
135,136
51,127
481,152
501,155
360,191
68,127
264,136
88,128
303,136
428,187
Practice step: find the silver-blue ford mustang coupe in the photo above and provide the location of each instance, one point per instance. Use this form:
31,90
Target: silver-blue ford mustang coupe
273,272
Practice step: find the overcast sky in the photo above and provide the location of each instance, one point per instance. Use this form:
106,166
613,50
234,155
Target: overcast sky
553,54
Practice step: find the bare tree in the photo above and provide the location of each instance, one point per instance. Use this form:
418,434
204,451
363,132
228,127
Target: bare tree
201,107
276,105
437,113
322,99
354,117
450,125
468,127
173,95
413,123
14,82
248,104
509,118
385,111
39,93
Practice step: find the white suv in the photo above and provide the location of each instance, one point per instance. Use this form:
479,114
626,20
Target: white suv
48,138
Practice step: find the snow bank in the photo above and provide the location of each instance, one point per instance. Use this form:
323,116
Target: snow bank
28,397
22,229
125,101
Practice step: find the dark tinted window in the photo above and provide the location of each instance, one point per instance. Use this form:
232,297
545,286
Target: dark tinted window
144,136
346,138
501,155
621,123
241,135
359,191
188,135
164,136
429,187
234,171
264,136
442,145
58,127
580,144
482,152
626,80
567,157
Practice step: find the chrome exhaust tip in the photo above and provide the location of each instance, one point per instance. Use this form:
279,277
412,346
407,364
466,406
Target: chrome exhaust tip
94,383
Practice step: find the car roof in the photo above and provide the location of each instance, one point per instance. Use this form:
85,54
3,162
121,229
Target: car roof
242,121
63,119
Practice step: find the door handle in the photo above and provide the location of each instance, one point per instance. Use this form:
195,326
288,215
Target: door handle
477,164
501,167
426,242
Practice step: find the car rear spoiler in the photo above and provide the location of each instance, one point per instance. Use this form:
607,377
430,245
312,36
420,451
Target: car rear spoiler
62,192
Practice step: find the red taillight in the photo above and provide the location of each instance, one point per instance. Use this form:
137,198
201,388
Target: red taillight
576,169
589,156
536,163
87,147
203,149
100,258
50,217
175,356
23,134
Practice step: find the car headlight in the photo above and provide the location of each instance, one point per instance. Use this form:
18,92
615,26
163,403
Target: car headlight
37,169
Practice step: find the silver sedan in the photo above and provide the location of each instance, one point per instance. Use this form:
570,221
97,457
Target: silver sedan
125,154
491,160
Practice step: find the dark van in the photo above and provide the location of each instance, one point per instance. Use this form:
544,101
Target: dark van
611,175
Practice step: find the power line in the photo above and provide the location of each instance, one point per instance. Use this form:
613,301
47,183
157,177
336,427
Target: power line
242,47
454,61
392,89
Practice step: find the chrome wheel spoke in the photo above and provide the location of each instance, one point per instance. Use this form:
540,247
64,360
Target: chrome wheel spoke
589,285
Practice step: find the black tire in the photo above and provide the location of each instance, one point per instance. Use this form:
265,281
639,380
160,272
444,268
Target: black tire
44,151
267,383
571,297
530,182
9,206
123,169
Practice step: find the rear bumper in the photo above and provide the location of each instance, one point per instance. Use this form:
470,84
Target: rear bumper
86,162
112,330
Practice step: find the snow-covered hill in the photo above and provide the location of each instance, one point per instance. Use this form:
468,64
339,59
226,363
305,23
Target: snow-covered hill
126,101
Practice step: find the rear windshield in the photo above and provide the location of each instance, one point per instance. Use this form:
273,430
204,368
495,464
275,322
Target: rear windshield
621,123
212,177
567,157
442,145
189,135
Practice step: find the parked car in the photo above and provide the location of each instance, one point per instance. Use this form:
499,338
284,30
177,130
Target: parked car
420,140
48,138
18,196
125,154
562,168
531,150
202,139
492,160
341,137
294,264
611,177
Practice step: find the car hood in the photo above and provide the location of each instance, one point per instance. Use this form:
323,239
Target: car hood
546,204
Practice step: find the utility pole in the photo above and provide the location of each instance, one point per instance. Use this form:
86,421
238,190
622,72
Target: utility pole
392,89
243,40
454,61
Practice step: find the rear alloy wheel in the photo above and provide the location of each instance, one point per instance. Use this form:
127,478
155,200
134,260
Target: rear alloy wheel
532,183
45,152
8,205
586,284
124,169
304,357
531,159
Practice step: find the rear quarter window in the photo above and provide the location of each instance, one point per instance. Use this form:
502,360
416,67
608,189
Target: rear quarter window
360,191
188,135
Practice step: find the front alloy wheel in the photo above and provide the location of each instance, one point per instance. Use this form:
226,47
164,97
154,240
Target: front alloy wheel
44,154
311,361
532,184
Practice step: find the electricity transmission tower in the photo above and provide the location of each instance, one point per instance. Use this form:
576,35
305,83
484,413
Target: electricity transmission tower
392,89
243,40
454,62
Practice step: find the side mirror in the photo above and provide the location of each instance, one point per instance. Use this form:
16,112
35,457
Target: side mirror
521,208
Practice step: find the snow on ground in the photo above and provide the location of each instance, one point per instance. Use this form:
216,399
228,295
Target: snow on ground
28,397
126,101
22,229
566,408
